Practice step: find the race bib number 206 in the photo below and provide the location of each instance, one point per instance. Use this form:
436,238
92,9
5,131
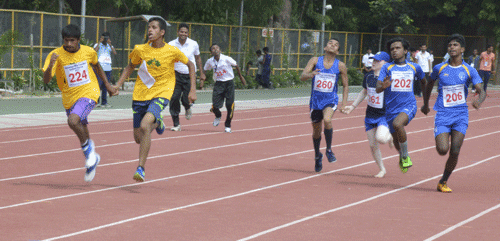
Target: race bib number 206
77,74
324,82
453,95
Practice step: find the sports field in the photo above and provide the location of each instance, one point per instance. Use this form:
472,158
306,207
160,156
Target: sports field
257,183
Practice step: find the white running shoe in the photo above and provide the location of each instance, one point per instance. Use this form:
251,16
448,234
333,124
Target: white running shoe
216,121
227,129
189,114
90,172
176,128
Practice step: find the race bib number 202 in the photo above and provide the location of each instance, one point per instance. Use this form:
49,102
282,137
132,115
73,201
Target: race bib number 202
77,74
402,81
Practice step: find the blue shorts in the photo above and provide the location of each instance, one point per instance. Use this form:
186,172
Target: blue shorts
410,111
82,108
317,115
445,121
154,106
371,123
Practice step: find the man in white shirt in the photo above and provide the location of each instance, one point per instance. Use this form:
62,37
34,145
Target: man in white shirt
424,60
367,61
224,85
182,82
104,50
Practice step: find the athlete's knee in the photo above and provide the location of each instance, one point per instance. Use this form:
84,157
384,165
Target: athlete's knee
73,120
442,150
382,135
454,151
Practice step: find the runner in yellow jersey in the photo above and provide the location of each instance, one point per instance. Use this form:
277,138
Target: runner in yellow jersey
154,86
72,65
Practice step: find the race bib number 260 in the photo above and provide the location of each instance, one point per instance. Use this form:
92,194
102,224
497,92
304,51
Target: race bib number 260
324,82
77,74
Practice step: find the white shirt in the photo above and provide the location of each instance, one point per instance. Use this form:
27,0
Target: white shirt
190,48
223,69
423,61
367,61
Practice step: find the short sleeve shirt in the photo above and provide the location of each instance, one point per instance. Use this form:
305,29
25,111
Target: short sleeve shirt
191,49
423,61
74,74
486,61
453,85
223,69
104,56
376,106
400,94
158,65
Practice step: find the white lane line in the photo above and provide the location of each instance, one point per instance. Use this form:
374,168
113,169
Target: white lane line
269,187
448,230
359,202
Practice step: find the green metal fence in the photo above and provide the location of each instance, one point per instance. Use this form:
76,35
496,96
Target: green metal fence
290,48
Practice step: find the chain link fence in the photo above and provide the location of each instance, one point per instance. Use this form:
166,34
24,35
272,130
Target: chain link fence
40,33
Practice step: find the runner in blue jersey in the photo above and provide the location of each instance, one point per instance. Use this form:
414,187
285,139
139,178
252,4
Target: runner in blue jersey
324,72
452,114
376,125
396,80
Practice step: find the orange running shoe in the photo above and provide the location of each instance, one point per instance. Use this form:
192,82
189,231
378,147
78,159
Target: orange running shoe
442,187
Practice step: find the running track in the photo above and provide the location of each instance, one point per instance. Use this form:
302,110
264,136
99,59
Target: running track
257,183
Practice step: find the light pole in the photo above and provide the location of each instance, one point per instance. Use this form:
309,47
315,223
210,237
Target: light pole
325,7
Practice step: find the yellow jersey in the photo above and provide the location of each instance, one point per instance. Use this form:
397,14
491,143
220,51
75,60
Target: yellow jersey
156,75
75,77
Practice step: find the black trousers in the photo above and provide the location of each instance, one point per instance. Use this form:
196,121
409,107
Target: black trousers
223,90
180,95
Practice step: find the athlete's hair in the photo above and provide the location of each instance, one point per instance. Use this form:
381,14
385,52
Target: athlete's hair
210,48
161,23
265,49
183,25
105,34
457,37
404,42
258,52
489,46
423,45
71,31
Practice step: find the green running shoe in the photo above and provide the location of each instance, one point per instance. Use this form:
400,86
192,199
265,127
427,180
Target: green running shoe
404,164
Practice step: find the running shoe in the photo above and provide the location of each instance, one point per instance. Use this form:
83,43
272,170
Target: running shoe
176,128
189,114
140,175
90,172
318,165
216,121
330,156
161,127
404,164
442,187
227,129
89,153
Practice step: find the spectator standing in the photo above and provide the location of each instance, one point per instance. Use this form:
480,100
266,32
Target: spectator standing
104,50
367,61
474,60
260,67
487,66
266,69
424,60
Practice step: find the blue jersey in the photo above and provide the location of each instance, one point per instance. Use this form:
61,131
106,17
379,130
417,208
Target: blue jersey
400,94
376,105
324,86
453,84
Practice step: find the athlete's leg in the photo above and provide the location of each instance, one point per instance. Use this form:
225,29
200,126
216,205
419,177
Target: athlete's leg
148,124
399,124
175,106
217,98
81,131
442,143
383,135
229,95
377,155
327,119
